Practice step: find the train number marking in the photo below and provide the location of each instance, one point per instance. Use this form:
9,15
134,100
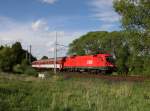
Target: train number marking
89,62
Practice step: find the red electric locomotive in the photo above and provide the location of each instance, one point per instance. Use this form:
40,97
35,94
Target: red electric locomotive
87,63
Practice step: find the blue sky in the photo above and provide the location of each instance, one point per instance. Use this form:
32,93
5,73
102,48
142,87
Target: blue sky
36,21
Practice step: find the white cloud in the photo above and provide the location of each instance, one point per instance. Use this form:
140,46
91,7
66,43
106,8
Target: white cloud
105,27
49,1
103,3
40,35
32,33
104,12
40,25
108,16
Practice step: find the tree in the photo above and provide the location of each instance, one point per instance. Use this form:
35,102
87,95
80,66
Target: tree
12,57
1,47
17,52
135,14
6,59
136,21
90,43
44,57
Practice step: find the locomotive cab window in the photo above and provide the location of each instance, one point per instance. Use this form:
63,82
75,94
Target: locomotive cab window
110,59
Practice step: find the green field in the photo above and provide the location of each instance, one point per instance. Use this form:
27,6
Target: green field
22,93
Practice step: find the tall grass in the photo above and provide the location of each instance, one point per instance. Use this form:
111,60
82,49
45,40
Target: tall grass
23,94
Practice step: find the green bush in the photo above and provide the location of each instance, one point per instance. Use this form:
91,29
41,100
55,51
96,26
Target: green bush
24,68
18,69
30,71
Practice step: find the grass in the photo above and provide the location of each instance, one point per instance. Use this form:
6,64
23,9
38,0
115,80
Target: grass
22,93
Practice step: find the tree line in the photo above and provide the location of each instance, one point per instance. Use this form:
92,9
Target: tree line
130,46
15,59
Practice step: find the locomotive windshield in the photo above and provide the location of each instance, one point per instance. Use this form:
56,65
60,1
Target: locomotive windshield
110,59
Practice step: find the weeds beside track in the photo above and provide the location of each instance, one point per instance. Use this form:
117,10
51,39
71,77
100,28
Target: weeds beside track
19,93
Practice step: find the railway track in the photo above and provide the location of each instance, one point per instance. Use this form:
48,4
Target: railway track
107,77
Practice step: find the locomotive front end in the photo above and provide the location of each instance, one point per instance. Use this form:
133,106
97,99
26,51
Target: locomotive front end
110,63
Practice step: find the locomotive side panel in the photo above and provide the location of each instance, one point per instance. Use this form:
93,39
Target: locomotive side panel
96,62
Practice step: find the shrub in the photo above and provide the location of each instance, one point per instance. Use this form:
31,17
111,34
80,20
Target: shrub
18,69
30,71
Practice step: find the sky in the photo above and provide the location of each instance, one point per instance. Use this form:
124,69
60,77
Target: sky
36,22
